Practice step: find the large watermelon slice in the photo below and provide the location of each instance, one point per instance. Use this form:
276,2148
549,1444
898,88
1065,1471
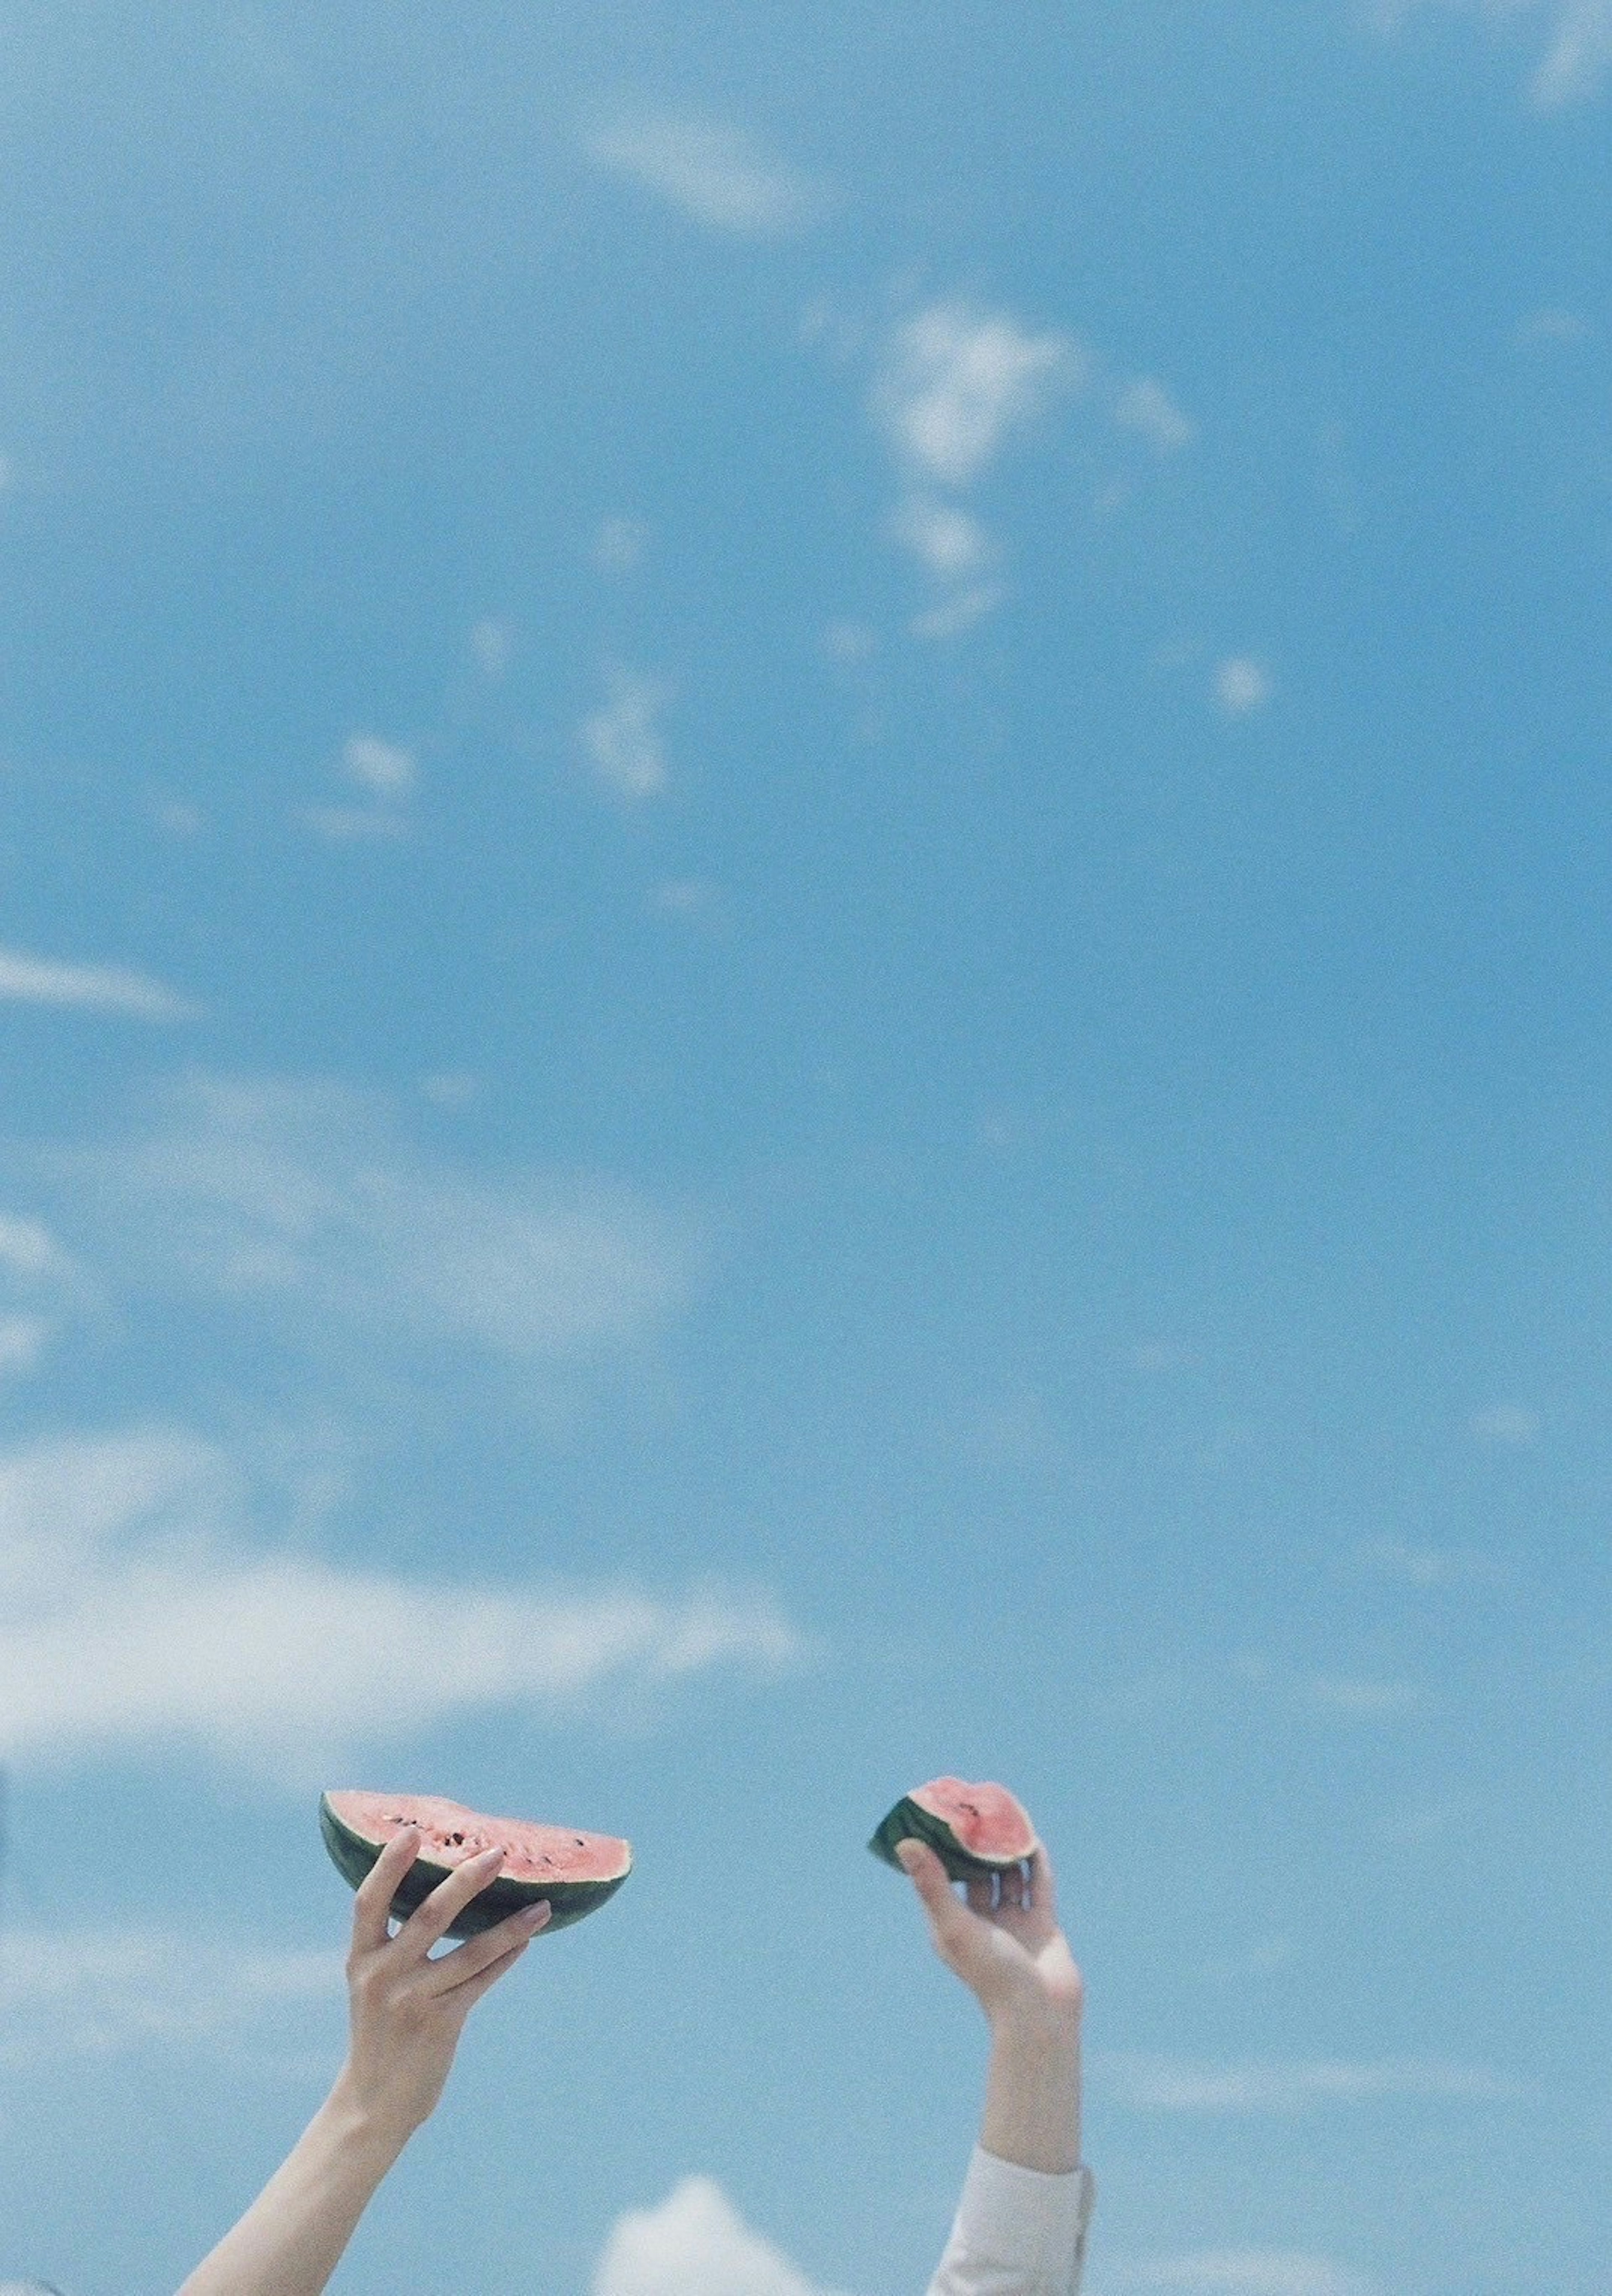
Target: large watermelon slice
974,1831
574,1870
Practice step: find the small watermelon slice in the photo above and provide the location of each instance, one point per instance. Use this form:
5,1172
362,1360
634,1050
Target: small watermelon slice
974,1831
575,1871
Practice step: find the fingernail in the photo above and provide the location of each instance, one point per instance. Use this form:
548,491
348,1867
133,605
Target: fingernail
534,1915
906,1851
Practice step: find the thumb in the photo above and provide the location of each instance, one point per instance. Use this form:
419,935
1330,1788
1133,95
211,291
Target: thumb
927,1875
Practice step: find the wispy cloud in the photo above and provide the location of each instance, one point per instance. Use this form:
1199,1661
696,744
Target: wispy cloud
1244,2272
1424,1566
89,987
943,537
1145,407
956,382
619,545
721,176
1578,43
1364,1697
27,1247
388,774
309,1201
96,1993
381,768
695,2243
492,643
954,385
143,1609
1157,2083
623,740
1242,685
22,1341
1506,1422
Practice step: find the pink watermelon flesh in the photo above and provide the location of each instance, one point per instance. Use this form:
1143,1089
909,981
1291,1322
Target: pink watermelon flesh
452,1836
574,1870
975,1831
989,1822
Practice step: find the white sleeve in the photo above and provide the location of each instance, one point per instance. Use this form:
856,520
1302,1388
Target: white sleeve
1017,2232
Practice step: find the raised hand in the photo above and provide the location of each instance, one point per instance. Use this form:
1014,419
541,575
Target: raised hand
406,2014
1005,1943
408,2010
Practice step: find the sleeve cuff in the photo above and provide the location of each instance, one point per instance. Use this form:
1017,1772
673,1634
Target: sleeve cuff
1024,2218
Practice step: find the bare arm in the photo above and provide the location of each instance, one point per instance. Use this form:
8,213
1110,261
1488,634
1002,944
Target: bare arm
407,2012
1017,1963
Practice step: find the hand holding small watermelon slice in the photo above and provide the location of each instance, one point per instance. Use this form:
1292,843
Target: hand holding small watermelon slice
1002,1938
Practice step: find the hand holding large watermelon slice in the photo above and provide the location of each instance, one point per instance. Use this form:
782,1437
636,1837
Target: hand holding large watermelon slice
407,2008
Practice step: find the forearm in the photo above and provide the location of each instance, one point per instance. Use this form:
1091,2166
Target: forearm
1033,2091
291,2240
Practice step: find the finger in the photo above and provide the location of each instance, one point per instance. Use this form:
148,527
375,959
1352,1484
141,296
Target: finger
1043,1889
1012,1886
929,1878
450,1971
380,1886
435,1916
464,1996
982,1893
926,1873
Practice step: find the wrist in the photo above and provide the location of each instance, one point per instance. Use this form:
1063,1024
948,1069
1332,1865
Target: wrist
362,2127
1033,2025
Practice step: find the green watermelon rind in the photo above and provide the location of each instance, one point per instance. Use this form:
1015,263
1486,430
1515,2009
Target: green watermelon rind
909,1821
353,1855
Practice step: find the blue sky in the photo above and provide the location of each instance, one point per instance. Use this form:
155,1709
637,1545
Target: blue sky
802,970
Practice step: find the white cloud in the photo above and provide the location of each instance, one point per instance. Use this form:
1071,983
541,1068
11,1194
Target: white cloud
70,1994
957,381
1246,2272
451,1088
1242,685
307,1200
22,1340
959,613
1506,1422
1553,324
1579,53
1578,43
1351,1694
849,643
623,740
389,774
142,1609
693,900
491,643
695,2243
719,175
620,544
1157,2083
27,1247
91,988
380,766
1146,407
944,539
177,817
953,549
1424,1566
